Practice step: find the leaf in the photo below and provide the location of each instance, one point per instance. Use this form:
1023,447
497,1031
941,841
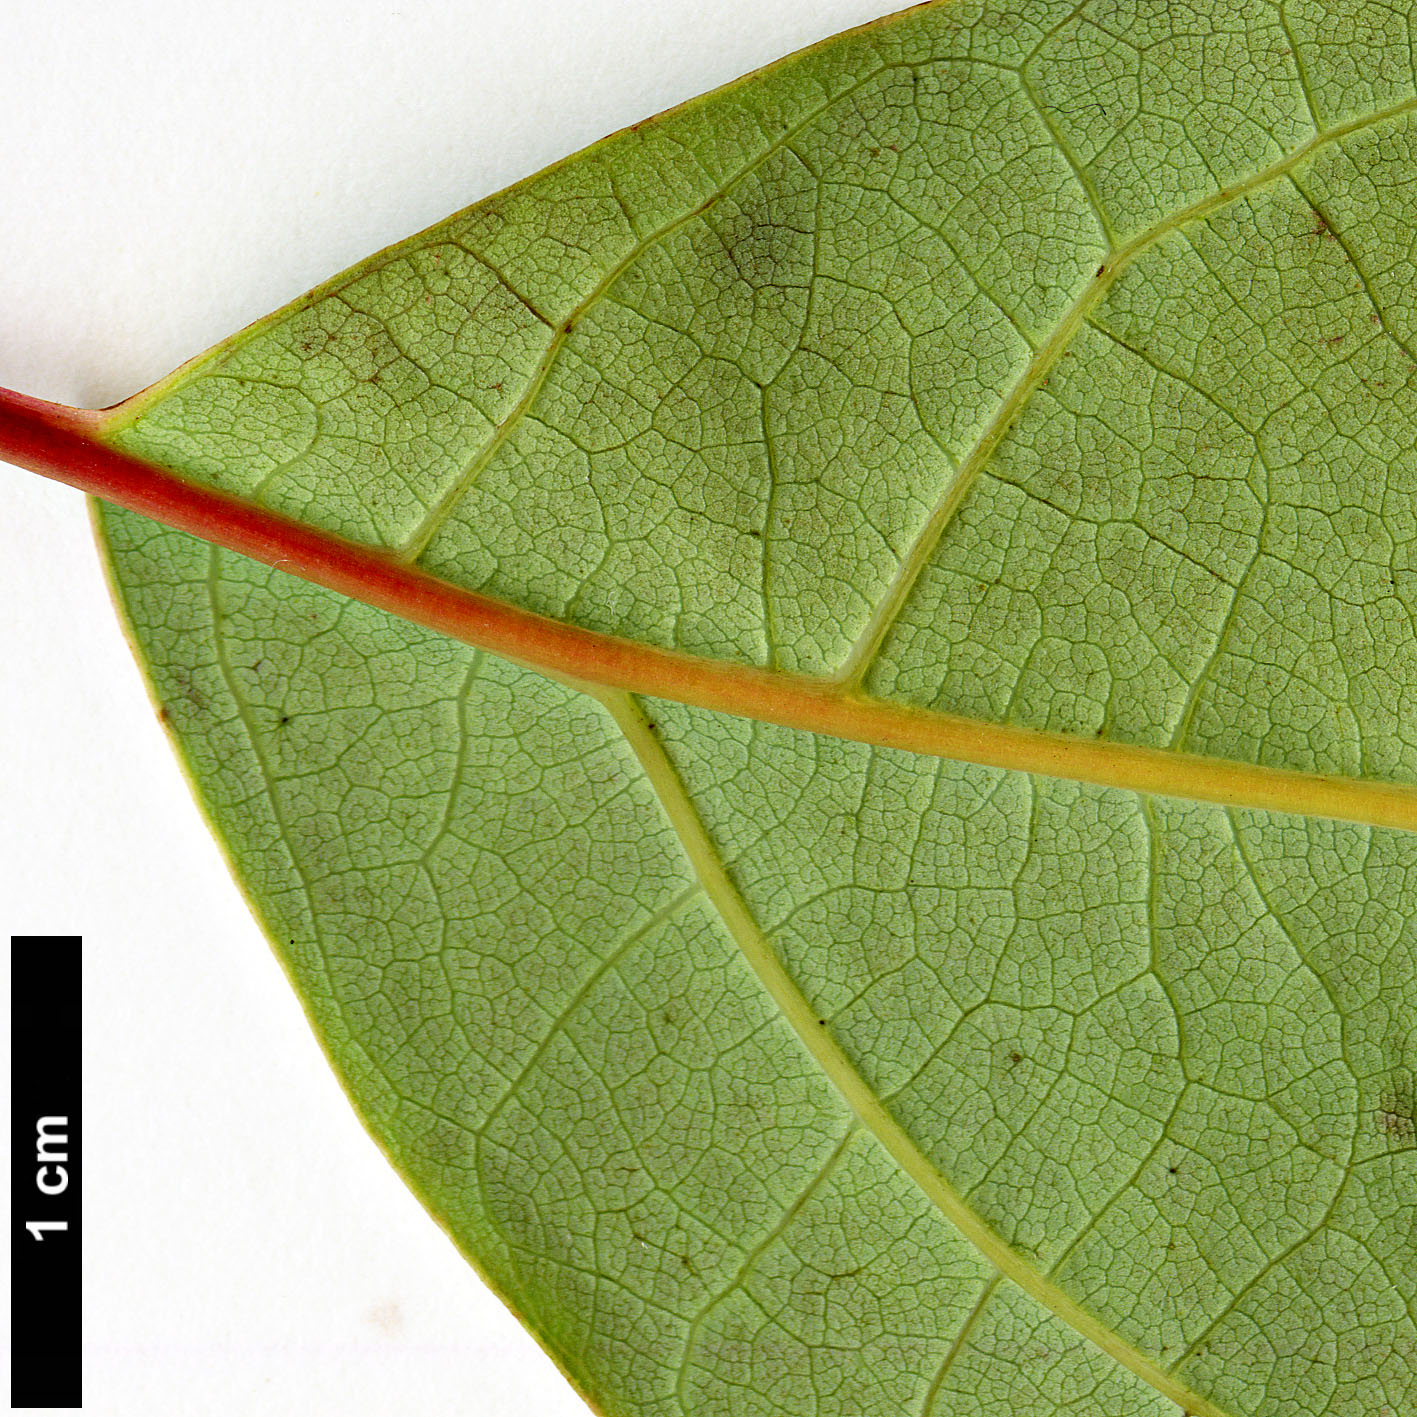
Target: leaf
767,1071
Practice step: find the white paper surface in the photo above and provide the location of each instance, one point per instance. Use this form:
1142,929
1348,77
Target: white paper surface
170,172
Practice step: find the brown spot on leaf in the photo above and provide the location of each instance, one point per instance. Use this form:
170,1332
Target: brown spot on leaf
182,677
1397,1117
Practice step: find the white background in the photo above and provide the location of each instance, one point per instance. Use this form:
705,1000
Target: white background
171,171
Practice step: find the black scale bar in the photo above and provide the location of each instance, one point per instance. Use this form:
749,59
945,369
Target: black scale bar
46,1301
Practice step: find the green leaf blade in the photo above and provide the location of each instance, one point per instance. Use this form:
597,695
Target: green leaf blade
767,1072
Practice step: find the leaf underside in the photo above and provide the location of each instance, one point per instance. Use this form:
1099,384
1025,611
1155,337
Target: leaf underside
1051,365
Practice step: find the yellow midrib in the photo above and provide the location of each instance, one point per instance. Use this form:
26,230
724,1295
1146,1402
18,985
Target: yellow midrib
848,1082
816,706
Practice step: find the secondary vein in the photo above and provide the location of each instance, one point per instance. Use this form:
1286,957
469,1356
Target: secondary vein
867,646
848,1082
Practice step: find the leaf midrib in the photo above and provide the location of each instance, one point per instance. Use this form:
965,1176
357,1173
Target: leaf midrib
843,1076
835,705
1120,765
69,447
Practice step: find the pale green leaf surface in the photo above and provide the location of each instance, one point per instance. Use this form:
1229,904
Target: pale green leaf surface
719,1046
